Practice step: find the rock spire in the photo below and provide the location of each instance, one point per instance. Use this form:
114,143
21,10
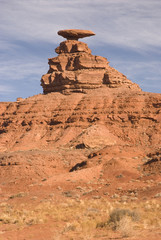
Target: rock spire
75,69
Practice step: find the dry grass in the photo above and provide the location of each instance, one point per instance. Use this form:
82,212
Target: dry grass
126,227
20,217
85,218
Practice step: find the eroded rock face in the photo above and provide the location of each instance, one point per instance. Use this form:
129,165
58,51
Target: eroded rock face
75,69
97,119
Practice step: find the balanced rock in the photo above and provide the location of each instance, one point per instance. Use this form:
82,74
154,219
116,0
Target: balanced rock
75,69
75,34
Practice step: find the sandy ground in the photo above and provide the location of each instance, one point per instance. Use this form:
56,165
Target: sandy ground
66,194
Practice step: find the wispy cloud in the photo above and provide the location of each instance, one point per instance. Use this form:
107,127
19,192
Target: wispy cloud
5,89
145,73
18,69
128,23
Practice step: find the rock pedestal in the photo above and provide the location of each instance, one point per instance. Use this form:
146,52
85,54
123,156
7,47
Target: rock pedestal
75,69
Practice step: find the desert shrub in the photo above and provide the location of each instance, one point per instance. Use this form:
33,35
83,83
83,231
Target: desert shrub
117,217
125,226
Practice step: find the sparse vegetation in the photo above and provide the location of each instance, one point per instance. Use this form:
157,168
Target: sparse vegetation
87,217
118,214
121,220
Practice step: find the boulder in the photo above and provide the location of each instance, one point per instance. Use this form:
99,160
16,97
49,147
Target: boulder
75,34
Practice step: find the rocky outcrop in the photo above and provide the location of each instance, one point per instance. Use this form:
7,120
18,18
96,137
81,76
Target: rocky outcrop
75,69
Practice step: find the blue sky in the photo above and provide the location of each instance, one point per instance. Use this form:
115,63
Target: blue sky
128,34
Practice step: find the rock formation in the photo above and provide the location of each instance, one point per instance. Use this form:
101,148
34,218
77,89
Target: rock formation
114,109
62,154
75,34
75,69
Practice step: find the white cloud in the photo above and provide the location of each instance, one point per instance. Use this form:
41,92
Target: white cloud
145,73
130,66
5,89
18,69
133,24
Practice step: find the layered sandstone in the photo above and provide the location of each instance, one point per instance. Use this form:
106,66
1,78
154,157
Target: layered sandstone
55,119
75,69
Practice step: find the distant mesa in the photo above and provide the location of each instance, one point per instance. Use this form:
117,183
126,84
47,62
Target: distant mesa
75,34
75,69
